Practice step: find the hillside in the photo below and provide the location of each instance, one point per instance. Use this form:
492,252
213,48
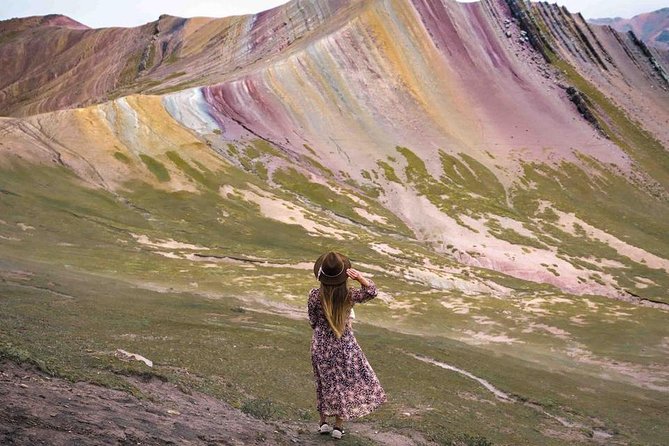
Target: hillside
501,172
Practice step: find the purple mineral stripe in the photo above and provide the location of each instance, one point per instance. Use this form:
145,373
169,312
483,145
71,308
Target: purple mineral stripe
230,128
253,106
444,33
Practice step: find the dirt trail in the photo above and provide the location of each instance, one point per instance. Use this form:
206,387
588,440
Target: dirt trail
37,409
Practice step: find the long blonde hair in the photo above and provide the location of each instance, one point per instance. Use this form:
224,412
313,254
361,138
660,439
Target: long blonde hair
336,301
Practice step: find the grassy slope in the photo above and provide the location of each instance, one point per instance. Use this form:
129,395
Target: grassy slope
207,327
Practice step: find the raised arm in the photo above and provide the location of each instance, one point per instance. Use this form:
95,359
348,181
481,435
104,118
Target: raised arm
368,288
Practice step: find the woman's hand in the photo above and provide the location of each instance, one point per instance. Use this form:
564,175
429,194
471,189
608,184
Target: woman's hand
356,275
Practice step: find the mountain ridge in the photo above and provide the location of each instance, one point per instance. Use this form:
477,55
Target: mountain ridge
651,27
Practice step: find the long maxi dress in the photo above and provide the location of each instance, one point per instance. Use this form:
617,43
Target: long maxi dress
346,385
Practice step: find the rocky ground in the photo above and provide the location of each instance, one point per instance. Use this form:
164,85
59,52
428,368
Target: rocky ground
39,409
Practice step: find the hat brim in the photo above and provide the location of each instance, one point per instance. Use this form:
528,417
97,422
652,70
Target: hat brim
332,280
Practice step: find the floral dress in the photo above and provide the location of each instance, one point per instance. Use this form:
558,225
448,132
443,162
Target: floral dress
346,385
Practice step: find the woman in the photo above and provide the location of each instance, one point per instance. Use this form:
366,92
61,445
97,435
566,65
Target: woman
346,386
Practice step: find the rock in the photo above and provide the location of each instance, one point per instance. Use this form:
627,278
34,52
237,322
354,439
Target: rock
582,104
127,356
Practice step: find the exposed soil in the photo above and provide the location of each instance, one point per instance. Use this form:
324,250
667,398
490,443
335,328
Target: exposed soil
37,409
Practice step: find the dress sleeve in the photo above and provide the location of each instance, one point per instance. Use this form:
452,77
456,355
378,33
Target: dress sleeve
311,307
364,293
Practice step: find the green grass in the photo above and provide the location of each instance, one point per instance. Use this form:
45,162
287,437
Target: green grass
129,72
189,170
122,157
389,172
259,362
156,167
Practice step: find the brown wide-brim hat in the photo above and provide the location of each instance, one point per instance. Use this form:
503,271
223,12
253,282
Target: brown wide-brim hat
330,268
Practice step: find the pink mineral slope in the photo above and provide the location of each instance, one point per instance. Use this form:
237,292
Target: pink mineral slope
426,75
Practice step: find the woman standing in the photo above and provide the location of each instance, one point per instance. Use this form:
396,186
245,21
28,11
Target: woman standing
346,386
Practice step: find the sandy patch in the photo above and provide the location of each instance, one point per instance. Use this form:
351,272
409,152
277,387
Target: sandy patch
284,211
643,282
384,297
484,320
127,356
446,281
560,300
535,306
457,305
249,262
578,320
25,227
383,248
227,191
354,198
268,306
169,255
555,331
607,263
516,226
619,314
169,244
591,305
473,397
144,337
404,307
652,376
481,338
568,220
371,217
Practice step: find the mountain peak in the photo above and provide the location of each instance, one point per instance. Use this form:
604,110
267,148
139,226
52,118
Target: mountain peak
63,21
19,24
